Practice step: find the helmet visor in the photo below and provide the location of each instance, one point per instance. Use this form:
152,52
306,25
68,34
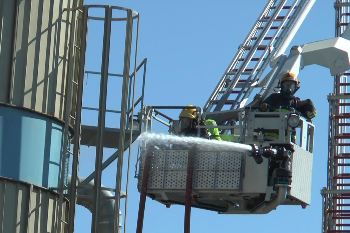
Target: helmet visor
288,87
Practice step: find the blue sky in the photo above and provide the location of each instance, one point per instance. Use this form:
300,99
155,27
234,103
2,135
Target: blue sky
188,45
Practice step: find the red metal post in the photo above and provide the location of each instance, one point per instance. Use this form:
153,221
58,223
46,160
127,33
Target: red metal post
144,184
188,194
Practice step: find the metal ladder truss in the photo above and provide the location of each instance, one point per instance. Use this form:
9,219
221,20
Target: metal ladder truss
268,37
336,197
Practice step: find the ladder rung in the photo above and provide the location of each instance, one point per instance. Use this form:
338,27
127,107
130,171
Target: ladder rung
278,18
342,204
344,104
252,59
343,164
337,231
343,215
231,91
342,225
343,185
344,84
227,102
342,144
338,211
342,176
284,7
338,198
245,72
342,156
76,46
343,124
260,47
265,38
273,27
64,222
343,136
342,116
342,24
228,80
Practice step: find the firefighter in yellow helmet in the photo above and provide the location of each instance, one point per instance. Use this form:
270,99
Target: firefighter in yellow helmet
285,99
189,121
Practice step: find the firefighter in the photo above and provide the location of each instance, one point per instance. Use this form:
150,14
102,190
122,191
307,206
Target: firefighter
285,99
190,120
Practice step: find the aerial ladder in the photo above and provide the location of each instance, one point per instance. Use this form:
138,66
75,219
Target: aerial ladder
268,38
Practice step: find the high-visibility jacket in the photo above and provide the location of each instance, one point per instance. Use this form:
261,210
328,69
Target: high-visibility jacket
214,133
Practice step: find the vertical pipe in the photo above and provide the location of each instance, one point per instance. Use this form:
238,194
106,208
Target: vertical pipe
123,118
144,185
101,115
77,128
143,82
188,193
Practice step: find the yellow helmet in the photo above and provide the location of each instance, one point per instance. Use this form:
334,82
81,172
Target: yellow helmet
189,112
289,76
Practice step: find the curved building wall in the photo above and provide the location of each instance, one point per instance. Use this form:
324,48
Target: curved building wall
33,51
29,209
34,41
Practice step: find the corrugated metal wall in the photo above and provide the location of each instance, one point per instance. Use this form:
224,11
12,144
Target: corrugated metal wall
25,208
34,38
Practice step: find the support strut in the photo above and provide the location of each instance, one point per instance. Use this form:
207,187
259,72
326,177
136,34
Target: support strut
188,194
143,192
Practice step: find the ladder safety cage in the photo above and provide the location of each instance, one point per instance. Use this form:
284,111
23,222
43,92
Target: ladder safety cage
268,38
114,128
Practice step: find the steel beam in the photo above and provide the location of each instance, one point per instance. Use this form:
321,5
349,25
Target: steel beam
101,116
123,118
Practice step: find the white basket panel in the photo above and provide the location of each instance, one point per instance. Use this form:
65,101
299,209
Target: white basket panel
175,180
158,161
228,180
175,159
212,170
156,179
205,160
229,161
204,180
